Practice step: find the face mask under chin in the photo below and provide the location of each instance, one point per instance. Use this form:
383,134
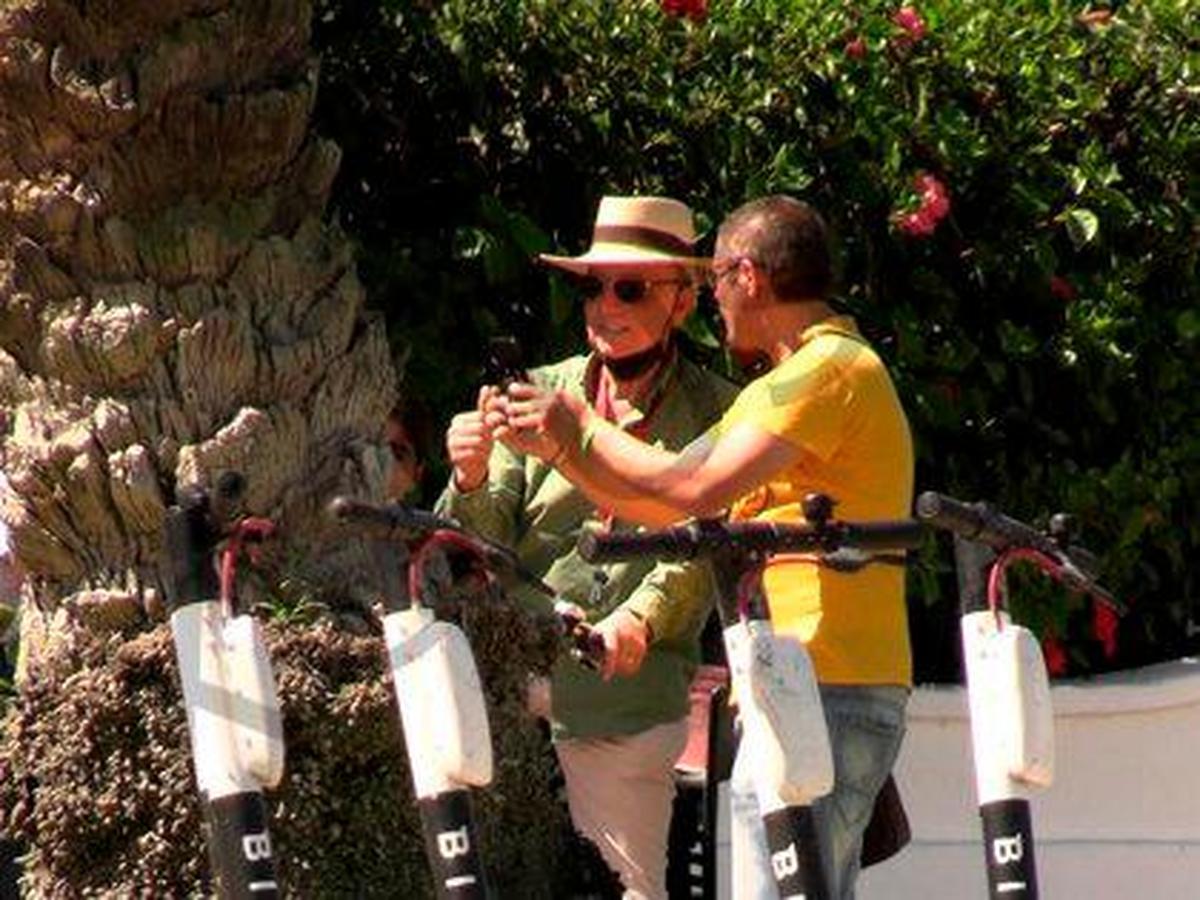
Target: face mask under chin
639,363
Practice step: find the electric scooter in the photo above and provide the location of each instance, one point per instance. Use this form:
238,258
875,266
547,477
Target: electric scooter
233,714
436,681
1012,722
783,724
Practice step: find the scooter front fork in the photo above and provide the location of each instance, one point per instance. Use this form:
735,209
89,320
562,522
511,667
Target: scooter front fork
795,851
240,847
452,846
1008,843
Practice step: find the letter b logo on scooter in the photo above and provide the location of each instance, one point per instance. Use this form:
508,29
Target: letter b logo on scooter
256,846
454,843
1007,850
785,863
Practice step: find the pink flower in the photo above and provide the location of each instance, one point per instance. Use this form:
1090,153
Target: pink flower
1104,627
1061,289
910,20
1054,654
856,49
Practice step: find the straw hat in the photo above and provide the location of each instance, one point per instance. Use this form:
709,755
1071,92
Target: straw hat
636,231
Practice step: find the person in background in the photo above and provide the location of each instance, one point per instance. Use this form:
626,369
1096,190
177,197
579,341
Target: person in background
824,418
617,732
409,441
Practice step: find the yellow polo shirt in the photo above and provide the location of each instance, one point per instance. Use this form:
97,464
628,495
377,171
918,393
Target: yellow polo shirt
835,402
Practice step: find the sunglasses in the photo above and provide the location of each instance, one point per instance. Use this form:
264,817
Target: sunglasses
627,290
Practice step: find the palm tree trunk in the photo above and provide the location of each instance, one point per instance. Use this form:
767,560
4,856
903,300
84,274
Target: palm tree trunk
171,304
173,307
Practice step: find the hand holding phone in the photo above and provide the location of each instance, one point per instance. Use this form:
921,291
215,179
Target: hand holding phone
505,362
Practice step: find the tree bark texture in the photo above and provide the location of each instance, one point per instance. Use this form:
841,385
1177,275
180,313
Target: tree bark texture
172,305
172,308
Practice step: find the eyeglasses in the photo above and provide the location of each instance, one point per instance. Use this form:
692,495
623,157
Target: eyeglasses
714,275
627,290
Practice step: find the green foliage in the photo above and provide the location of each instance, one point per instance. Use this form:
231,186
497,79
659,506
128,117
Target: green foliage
285,594
1042,336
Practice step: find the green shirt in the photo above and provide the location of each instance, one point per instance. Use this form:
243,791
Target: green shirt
529,506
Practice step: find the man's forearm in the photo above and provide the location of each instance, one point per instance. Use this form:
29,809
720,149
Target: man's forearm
490,510
674,599
635,480
649,485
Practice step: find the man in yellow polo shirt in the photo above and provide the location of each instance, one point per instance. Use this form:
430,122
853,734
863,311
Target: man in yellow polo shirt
825,417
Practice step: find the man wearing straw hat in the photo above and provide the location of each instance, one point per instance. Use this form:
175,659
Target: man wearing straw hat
824,416
617,732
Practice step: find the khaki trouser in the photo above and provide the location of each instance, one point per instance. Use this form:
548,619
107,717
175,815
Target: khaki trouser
620,791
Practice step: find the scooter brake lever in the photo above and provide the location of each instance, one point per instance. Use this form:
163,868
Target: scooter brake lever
586,645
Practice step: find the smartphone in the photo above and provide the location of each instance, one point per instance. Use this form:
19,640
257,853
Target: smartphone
505,362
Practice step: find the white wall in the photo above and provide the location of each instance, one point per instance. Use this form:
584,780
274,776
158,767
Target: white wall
1122,819
1121,822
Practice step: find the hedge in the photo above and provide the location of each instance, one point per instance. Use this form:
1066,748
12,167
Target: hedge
1014,187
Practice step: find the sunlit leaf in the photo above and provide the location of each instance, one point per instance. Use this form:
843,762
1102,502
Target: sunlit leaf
1082,225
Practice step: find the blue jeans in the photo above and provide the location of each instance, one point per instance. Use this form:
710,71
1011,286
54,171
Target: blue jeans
866,726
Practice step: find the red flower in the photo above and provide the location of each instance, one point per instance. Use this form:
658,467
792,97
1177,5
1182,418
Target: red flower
934,206
1061,289
917,224
1104,627
856,49
696,10
934,198
1054,654
910,20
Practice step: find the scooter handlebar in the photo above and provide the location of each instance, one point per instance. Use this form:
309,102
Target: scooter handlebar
980,522
388,522
669,544
397,522
706,536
